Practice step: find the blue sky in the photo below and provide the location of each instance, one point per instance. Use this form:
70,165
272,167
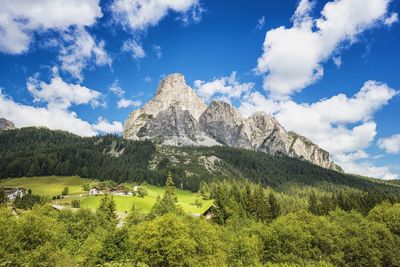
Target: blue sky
326,69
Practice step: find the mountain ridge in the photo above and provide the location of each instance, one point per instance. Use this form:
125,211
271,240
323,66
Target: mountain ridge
177,116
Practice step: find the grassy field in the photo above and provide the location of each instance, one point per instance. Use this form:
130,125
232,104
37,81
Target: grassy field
54,185
186,201
49,185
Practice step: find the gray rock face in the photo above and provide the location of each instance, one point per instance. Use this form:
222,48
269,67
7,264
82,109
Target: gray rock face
177,116
6,124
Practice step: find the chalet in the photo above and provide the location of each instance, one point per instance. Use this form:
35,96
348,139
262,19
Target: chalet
94,191
12,193
209,213
120,191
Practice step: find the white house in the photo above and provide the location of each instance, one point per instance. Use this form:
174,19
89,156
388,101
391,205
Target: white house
95,191
13,193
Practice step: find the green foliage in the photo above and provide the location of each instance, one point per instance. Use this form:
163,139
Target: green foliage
387,214
65,191
106,211
273,209
3,197
28,201
75,203
167,203
141,191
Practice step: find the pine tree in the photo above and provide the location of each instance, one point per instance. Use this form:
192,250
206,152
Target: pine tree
106,210
313,204
170,186
167,203
274,209
260,205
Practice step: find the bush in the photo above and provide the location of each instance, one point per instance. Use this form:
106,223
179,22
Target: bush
75,203
65,191
28,201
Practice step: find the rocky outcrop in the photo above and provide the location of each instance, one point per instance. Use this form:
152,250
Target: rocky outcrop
177,116
172,91
6,124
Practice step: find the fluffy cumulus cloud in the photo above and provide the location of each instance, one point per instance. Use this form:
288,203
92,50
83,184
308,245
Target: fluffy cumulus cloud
79,49
228,87
393,18
103,126
133,48
19,20
125,103
57,93
391,144
292,57
58,97
139,15
342,125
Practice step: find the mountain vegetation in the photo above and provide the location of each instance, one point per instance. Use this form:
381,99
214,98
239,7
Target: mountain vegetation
42,152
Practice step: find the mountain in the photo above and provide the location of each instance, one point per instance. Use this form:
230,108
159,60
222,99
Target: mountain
176,116
6,124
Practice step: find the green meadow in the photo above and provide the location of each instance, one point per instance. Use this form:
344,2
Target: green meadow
54,185
49,185
186,200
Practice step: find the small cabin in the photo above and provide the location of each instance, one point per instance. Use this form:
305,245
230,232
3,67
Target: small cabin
13,193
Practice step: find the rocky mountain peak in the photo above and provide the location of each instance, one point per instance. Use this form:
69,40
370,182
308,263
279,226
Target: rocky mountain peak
177,116
173,82
6,124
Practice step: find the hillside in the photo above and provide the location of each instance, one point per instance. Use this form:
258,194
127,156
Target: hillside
42,152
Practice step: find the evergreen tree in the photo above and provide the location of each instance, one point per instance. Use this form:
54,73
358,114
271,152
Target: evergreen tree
167,203
261,208
106,210
65,191
274,209
313,204
134,217
170,186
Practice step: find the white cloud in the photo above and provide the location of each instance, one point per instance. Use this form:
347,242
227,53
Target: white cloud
157,51
138,15
260,23
342,125
125,103
391,144
292,57
134,48
20,19
81,48
227,87
116,89
147,79
337,61
51,117
104,126
60,94
339,124
358,165
389,21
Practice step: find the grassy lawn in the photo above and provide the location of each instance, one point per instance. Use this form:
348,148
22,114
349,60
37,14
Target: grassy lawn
186,200
54,185
49,185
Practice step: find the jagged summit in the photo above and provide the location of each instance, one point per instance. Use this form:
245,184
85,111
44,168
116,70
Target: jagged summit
177,116
6,124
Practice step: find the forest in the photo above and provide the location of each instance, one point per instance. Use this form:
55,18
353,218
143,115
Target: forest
247,228
41,152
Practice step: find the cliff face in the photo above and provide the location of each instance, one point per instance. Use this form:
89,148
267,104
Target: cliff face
177,116
6,124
